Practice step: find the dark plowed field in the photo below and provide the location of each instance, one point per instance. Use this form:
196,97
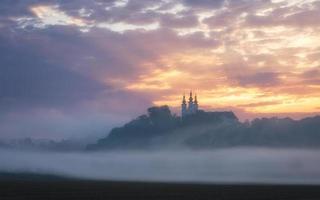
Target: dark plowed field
34,187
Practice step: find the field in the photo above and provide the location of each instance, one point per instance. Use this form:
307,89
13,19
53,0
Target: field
30,186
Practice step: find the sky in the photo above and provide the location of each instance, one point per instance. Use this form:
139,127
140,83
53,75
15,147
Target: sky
79,67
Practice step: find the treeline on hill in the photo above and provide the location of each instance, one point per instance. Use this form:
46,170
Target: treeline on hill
204,130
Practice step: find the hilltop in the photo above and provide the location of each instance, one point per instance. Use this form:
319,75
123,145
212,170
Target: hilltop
160,129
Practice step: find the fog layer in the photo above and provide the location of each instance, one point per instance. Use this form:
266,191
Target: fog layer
237,165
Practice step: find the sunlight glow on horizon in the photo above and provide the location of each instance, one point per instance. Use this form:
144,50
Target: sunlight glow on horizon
258,68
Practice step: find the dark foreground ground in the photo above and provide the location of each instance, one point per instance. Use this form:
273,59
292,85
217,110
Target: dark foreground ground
28,186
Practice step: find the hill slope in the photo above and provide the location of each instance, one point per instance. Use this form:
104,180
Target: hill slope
159,129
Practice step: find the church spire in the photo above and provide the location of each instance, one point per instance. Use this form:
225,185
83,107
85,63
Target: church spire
191,107
190,98
195,103
190,104
184,110
184,99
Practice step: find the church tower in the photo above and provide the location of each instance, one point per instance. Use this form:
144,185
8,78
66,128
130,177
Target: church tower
184,111
195,103
190,104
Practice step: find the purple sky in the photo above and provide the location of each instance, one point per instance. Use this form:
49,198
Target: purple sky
79,67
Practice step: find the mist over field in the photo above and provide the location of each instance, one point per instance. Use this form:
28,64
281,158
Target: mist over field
232,165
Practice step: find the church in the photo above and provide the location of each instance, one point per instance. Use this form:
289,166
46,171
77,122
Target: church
192,106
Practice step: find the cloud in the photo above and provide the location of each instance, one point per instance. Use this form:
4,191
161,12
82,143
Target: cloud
50,85
82,57
169,20
220,20
292,16
310,74
204,4
258,104
259,79
310,77
29,79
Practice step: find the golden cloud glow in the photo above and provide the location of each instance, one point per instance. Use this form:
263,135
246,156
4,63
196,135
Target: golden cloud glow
158,80
279,51
249,100
257,68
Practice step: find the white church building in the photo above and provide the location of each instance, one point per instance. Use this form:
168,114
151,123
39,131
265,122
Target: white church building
192,106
